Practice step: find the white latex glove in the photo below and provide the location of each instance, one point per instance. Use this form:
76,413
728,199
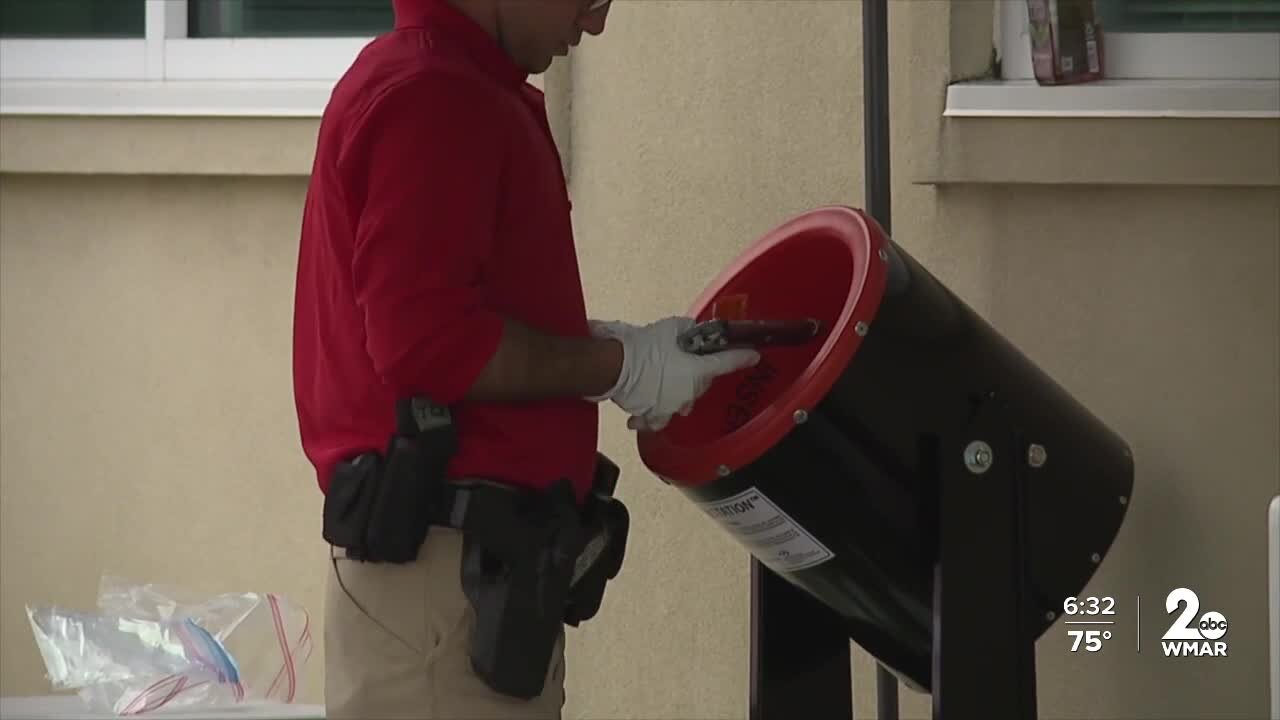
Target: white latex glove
658,379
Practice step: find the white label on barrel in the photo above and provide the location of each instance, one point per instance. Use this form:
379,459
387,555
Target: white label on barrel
768,533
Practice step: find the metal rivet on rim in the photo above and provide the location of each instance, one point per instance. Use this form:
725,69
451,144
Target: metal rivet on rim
860,328
723,470
1037,456
884,255
1124,500
1096,558
800,416
1050,615
978,457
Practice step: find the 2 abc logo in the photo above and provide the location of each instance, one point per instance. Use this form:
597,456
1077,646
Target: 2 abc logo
1189,636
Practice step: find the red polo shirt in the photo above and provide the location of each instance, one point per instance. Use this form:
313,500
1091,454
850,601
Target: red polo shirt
436,207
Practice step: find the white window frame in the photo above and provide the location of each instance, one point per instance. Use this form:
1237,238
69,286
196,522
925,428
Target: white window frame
1213,75
168,73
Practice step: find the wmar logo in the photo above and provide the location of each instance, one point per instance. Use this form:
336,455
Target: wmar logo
1188,637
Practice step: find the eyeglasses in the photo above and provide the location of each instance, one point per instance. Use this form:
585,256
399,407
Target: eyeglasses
596,5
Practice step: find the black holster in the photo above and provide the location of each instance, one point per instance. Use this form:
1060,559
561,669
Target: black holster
532,563
607,523
517,562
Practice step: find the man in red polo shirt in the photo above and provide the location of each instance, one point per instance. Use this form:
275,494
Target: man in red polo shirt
437,259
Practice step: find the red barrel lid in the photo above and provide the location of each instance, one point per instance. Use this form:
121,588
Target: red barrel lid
830,264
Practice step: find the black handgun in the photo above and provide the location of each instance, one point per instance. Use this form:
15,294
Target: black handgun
716,335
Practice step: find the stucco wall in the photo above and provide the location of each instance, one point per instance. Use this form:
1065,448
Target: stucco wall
146,415
146,422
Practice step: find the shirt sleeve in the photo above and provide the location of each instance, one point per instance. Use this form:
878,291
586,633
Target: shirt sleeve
425,164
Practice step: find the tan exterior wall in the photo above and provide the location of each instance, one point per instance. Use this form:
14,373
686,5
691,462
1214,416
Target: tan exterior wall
146,419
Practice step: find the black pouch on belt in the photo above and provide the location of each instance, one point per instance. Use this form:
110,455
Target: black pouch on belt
378,508
518,559
353,488
413,478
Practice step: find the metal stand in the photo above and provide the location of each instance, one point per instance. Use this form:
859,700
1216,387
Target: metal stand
983,647
983,637
799,654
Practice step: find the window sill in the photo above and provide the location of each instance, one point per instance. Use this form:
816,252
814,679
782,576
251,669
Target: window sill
1208,134
1222,99
209,146
189,127
168,98
171,98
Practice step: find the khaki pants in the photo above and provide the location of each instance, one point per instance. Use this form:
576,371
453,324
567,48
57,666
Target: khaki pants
397,645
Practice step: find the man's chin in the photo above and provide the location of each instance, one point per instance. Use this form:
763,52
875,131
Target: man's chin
541,66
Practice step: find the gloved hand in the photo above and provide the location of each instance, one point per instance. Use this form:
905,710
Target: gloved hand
658,379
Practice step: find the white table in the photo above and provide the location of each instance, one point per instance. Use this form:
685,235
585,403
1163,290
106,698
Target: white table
69,707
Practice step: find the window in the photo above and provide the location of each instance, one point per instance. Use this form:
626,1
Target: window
1166,39
72,18
288,18
1190,16
267,57
1161,58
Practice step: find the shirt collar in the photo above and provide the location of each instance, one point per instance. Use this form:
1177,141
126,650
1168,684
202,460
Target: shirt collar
466,34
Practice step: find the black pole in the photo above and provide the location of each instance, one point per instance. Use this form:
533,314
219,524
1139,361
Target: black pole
875,149
875,105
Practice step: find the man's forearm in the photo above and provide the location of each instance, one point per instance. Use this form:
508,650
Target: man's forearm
530,365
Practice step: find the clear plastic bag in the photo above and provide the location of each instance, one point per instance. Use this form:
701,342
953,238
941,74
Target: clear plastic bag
150,648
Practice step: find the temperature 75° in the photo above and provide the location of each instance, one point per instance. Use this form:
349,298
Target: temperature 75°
1092,639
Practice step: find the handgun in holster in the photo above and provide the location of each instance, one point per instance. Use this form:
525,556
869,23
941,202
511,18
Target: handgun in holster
517,563
531,564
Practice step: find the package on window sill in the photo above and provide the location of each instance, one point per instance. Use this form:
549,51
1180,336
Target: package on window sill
1066,41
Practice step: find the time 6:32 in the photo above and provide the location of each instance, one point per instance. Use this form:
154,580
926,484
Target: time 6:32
1089,606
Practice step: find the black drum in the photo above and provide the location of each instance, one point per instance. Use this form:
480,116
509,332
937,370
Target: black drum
823,460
